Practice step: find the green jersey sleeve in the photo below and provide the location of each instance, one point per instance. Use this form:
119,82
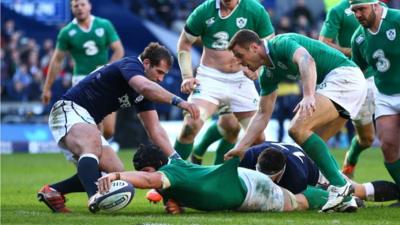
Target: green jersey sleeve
112,35
331,26
356,55
195,22
62,41
267,83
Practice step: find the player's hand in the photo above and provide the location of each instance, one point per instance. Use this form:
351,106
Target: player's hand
306,106
252,75
234,152
104,182
172,207
189,84
46,96
153,196
191,108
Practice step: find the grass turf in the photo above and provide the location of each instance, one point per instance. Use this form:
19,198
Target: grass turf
23,174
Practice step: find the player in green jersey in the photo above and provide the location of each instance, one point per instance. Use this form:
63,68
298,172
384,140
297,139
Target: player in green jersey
87,39
182,183
334,89
219,79
337,31
377,43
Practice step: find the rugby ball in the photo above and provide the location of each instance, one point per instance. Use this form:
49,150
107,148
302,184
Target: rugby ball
119,196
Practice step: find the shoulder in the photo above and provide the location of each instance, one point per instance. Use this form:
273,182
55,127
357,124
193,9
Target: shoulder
205,6
393,15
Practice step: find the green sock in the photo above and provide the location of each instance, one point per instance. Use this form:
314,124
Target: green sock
183,150
223,147
210,136
394,171
316,197
354,151
318,151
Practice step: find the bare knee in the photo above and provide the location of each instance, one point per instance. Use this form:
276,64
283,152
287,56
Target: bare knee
83,139
230,128
366,141
296,133
390,151
190,129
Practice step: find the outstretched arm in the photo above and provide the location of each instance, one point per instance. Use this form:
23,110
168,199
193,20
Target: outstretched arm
257,125
118,51
154,92
54,69
139,179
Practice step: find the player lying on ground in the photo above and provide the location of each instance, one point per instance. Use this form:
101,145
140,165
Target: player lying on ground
182,183
289,167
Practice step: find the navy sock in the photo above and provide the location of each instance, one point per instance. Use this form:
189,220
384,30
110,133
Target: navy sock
88,172
69,185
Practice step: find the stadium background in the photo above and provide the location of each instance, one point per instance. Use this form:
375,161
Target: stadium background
28,32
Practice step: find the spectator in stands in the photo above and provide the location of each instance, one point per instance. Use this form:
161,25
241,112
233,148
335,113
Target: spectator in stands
284,25
18,91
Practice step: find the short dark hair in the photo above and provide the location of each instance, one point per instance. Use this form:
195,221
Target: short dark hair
271,160
244,38
156,53
149,155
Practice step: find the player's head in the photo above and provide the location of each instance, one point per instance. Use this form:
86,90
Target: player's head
245,45
149,158
272,162
365,11
81,9
157,60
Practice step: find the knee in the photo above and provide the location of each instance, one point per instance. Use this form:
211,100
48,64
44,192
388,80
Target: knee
84,143
390,151
295,132
230,130
366,141
190,129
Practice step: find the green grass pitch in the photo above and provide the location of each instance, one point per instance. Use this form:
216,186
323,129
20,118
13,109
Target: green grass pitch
23,174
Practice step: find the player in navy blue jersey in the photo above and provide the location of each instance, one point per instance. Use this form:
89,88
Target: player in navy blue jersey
73,119
289,167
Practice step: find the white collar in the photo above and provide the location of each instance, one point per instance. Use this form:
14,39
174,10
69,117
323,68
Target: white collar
267,52
218,6
384,14
75,21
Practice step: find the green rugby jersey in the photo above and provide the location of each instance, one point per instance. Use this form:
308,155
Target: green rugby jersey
88,48
340,24
216,32
381,50
206,188
281,50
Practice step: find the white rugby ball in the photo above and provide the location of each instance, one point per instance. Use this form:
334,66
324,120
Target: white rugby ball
119,196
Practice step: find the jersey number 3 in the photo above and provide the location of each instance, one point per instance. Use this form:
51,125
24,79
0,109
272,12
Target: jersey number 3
383,63
90,48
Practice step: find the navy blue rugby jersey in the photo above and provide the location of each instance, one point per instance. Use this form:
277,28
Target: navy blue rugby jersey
300,169
106,89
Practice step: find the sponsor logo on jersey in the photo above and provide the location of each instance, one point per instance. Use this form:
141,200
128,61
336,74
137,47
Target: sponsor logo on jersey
139,99
99,32
241,22
360,39
391,34
210,21
72,32
282,65
124,101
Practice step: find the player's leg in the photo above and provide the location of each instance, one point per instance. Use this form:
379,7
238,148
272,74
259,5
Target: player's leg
388,129
364,126
301,130
377,191
230,129
387,114
191,127
363,140
108,125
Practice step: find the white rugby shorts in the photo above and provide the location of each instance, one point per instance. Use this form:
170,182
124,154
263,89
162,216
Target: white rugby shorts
64,115
232,89
368,108
262,193
386,105
347,87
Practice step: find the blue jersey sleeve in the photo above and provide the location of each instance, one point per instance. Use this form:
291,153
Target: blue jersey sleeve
130,67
